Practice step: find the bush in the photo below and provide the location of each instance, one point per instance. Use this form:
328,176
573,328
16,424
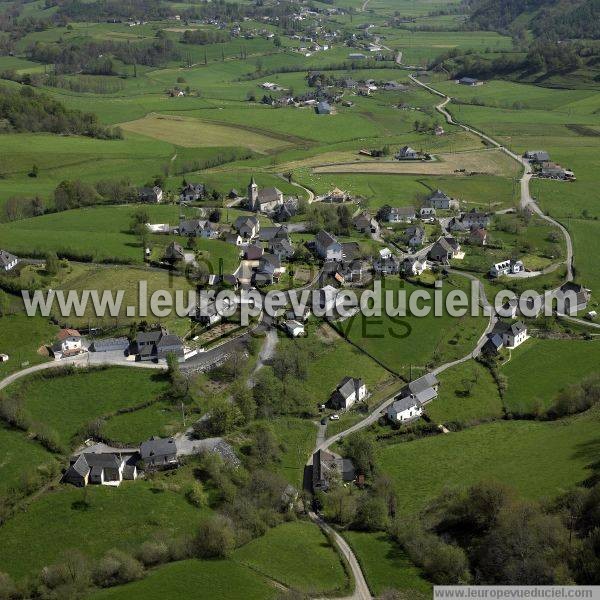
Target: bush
196,495
8,589
215,538
153,553
115,568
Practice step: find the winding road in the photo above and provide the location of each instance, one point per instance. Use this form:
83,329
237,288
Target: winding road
526,199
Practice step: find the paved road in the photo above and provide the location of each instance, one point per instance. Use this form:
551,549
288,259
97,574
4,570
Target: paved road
87,359
526,199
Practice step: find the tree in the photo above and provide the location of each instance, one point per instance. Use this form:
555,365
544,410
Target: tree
139,218
264,447
372,513
34,171
52,263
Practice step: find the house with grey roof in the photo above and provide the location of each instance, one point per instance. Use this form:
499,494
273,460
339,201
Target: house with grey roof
191,192
198,228
327,246
402,214
365,223
441,201
572,298
444,250
506,335
152,195
174,252
405,409
415,236
327,467
407,153
537,156
349,391
101,468
247,227
118,344
159,453
157,345
8,261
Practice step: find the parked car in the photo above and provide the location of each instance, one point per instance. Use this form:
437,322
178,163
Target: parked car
334,418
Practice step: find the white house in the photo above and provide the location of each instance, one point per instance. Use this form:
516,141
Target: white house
514,334
247,227
506,267
405,409
68,342
294,328
402,214
8,261
349,391
327,246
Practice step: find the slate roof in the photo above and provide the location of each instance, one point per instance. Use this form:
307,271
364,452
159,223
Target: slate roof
156,446
6,258
267,195
403,404
325,239
428,380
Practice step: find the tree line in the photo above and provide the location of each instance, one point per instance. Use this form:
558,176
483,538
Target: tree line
27,111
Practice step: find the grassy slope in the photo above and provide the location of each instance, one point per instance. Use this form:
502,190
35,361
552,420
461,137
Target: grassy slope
400,342
386,566
195,580
20,456
455,404
20,338
539,369
68,403
54,523
279,552
538,459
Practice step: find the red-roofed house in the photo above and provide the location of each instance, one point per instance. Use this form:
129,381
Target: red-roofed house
69,342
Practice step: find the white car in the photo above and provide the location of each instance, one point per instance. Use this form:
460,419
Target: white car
334,418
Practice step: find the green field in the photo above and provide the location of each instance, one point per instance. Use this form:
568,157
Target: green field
20,458
467,393
539,459
276,556
32,334
67,403
539,369
195,580
402,342
386,566
35,538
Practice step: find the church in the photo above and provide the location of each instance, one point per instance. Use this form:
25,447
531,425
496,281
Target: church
266,200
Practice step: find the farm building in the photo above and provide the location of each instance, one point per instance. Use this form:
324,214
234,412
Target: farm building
326,465
159,452
8,261
119,344
469,81
349,391
407,153
323,108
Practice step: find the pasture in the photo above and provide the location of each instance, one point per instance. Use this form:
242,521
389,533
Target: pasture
539,459
195,580
194,133
467,392
487,162
386,566
67,403
404,342
277,557
539,369
32,334
35,538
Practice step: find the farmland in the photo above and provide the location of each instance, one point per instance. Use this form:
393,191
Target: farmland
214,94
82,397
540,460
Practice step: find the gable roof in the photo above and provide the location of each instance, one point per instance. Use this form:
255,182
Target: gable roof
156,446
348,386
428,380
63,334
325,239
6,258
267,195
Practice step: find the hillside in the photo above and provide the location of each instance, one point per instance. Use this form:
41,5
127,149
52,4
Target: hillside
546,18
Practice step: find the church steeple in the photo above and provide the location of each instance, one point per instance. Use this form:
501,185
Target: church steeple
252,194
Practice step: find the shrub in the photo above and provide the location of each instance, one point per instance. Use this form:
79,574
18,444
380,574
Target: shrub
196,495
215,538
115,568
8,589
153,553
